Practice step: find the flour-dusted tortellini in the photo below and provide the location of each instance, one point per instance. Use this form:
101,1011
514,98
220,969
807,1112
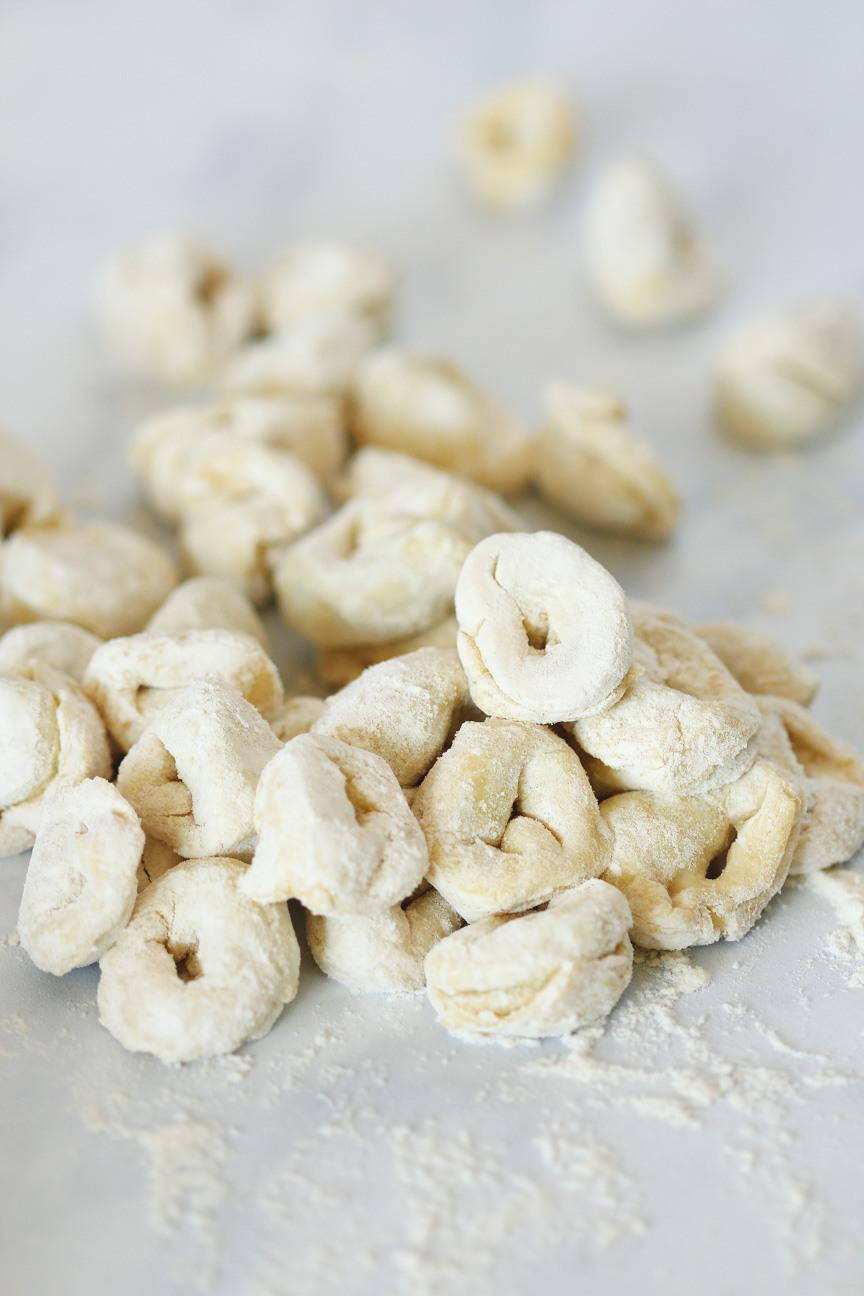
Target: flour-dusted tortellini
517,142
241,504
321,277
193,773
81,881
683,725
28,496
405,710
425,406
334,831
646,262
52,737
383,953
509,818
174,310
789,377
759,663
535,974
200,968
103,577
131,680
695,869
206,603
830,776
336,667
309,426
373,473
380,569
319,354
60,644
544,632
590,463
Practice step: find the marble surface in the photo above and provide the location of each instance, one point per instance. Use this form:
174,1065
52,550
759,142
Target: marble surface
713,1137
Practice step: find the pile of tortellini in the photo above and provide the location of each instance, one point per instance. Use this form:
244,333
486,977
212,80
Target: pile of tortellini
507,774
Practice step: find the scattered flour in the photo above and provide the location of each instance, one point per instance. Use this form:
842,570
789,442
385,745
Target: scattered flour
9,940
844,889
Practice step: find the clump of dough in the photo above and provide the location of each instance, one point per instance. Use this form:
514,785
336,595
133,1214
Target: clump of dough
590,463
538,974
334,831
645,261
201,968
81,881
790,377
509,818
28,496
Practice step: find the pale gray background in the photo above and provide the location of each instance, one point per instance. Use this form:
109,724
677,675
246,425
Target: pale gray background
363,1149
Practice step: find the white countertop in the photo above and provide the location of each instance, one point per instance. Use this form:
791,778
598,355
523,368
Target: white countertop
358,1148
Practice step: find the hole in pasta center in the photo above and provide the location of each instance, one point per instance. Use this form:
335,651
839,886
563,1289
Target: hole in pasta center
186,961
537,634
718,863
209,285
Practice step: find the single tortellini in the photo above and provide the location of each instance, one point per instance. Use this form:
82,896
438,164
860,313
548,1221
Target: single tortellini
334,831
131,680
206,603
830,777
60,644
53,737
28,496
382,953
174,310
591,464
517,142
317,355
201,968
645,261
535,974
241,503
683,725
509,818
698,868
788,378
81,881
193,773
406,710
322,277
425,406
310,426
758,662
382,568
544,632
103,577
